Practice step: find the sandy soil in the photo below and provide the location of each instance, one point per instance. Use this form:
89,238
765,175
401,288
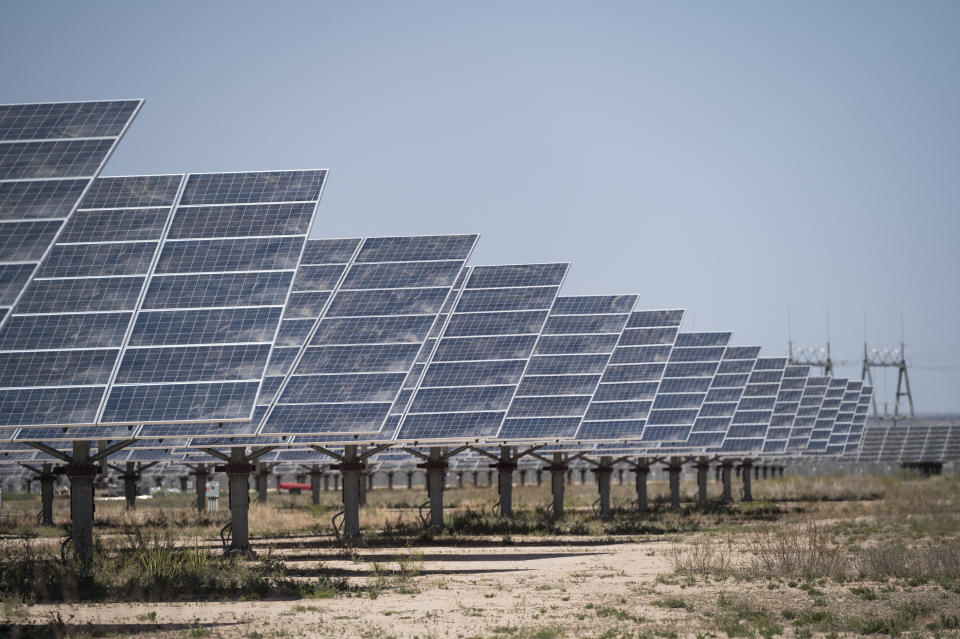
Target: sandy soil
461,592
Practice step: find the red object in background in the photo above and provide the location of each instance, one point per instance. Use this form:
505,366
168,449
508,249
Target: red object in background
293,487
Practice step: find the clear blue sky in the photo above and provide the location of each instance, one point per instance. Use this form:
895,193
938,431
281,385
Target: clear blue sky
735,159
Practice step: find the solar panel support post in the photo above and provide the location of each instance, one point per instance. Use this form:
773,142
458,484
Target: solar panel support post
603,471
238,475
202,473
47,481
436,467
505,466
351,469
476,479
726,468
183,483
130,479
389,480
642,469
558,474
315,476
81,472
409,480
746,465
703,468
674,468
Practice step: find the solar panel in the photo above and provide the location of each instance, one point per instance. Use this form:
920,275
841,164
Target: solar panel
49,154
827,415
951,451
687,379
748,429
785,410
726,390
872,443
893,443
347,377
159,303
568,361
844,422
321,268
859,419
813,394
622,401
475,368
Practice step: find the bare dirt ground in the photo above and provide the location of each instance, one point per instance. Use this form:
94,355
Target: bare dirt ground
789,566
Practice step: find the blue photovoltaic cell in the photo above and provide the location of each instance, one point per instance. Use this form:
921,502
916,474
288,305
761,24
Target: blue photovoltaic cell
859,419
748,429
687,378
807,411
819,437
49,155
71,322
346,378
629,383
844,422
785,410
472,375
187,322
551,405
720,403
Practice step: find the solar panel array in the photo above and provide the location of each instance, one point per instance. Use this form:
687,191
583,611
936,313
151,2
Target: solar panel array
191,310
917,443
159,302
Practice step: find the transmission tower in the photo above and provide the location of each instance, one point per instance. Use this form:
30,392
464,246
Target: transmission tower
888,358
811,356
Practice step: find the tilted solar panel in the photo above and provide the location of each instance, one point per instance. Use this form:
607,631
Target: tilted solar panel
813,393
473,373
347,377
568,361
687,379
842,426
163,298
859,419
826,416
785,410
748,430
726,390
321,269
622,401
49,155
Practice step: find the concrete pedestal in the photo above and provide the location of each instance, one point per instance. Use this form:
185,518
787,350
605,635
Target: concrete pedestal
604,471
674,470
201,474
316,476
703,468
47,482
81,472
558,473
351,469
505,468
746,474
238,473
643,472
436,469
726,469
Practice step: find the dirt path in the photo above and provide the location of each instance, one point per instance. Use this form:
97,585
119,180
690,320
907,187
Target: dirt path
460,592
